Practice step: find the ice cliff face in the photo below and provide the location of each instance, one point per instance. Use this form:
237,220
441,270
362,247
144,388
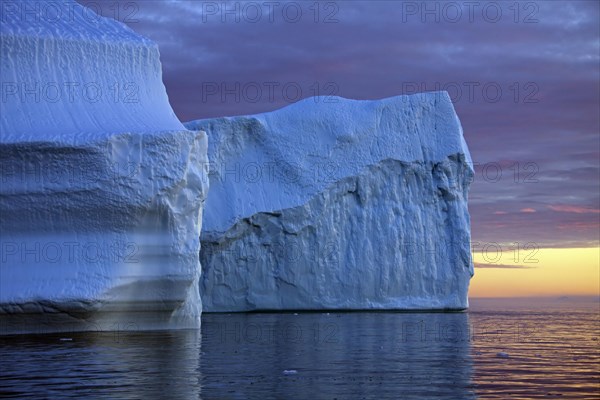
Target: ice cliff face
102,186
338,205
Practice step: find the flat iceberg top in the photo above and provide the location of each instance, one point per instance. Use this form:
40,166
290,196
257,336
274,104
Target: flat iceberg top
66,20
68,73
278,160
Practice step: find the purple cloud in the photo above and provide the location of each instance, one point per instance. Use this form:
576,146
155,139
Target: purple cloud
525,81
502,266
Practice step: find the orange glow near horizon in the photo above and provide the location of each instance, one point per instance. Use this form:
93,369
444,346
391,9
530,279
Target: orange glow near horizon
557,272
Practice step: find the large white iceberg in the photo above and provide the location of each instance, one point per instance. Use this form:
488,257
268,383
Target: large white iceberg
102,187
332,203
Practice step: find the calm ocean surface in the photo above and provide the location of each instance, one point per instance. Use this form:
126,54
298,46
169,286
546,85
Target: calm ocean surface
505,349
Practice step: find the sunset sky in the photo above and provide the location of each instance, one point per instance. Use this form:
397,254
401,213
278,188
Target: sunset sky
524,78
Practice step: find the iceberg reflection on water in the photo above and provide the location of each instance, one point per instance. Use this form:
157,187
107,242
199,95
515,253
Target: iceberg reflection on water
552,349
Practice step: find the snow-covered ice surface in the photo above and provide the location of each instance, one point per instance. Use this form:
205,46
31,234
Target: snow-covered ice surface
332,203
102,187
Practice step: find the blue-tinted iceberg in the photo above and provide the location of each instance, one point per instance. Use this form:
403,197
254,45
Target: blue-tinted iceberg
102,186
332,203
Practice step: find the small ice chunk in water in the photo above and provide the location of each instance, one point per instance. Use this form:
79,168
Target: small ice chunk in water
290,372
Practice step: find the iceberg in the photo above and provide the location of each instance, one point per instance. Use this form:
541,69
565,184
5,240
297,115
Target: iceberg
102,186
332,203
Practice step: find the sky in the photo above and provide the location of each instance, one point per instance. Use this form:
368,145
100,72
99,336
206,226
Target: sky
524,78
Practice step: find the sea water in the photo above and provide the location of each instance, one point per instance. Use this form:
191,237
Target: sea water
500,348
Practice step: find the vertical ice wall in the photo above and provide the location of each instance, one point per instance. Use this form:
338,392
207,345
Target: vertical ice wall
102,186
332,203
